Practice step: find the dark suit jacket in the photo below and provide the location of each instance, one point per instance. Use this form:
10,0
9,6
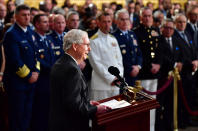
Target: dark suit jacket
191,32
70,109
170,56
189,52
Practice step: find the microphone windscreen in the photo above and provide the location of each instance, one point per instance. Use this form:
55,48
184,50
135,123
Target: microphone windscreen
114,70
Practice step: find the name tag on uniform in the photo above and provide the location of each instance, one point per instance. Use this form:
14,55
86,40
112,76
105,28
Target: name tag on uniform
41,50
24,41
121,46
56,47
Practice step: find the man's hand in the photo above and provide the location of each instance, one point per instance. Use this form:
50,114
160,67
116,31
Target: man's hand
155,68
195,65
34,77
179,66
135,71
95,103
102,109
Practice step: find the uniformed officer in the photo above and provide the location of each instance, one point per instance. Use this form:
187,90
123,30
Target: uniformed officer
149,40
22,69
46,58
57,35
131,54
105,52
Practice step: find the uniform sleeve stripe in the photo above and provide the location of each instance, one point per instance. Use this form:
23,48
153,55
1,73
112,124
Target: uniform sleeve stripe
23,72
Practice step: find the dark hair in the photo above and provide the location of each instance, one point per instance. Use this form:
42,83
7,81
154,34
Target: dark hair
21,7
37,17
33,9
102,14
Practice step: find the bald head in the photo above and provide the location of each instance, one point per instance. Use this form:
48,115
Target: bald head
3,11
59,23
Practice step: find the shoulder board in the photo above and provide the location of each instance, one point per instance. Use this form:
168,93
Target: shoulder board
94,36
111,35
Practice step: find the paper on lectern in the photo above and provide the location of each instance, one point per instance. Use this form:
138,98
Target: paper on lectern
114,104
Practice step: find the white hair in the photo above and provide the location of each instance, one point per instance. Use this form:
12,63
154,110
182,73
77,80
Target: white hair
179,15
119,12
70,13
74,36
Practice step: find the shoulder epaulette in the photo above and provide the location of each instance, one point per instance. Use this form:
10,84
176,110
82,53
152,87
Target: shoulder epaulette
111,35
94,36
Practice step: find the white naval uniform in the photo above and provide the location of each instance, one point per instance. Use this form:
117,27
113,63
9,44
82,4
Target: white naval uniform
105,52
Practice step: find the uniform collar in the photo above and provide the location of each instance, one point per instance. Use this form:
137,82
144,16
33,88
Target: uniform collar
101,33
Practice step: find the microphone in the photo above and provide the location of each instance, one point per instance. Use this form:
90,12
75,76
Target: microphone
115,71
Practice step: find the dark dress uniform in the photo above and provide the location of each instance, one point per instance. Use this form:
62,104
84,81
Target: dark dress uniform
21,61
57,44
149,43
41,99
131,53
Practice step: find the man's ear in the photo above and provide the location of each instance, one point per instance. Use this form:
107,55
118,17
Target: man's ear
74,46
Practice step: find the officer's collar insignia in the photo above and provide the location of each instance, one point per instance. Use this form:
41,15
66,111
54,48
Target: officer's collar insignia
24,41
131,36
114,44
154,33
123,51
121,33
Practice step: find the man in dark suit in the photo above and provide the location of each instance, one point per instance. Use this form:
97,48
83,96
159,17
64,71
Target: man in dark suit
70,107
22,70
190,64
192,25
172,57
131,54
134,18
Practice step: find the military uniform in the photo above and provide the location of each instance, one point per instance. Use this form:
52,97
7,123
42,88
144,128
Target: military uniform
41,99
131,53
21,61
57,43
105,52
149,43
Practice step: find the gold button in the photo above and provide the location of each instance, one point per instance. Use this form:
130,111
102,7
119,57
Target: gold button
150,36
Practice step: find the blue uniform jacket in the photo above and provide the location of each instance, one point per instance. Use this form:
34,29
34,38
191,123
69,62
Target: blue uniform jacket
131,53
45,53
57,44
20,53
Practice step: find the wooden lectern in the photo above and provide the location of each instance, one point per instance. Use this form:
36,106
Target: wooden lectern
135,117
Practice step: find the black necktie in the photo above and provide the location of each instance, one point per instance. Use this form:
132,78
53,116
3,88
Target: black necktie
184,37
126,35
170,44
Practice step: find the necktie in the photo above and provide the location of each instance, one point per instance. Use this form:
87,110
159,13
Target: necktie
126,35
195,28
184,37
170,44
45,41
61,37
